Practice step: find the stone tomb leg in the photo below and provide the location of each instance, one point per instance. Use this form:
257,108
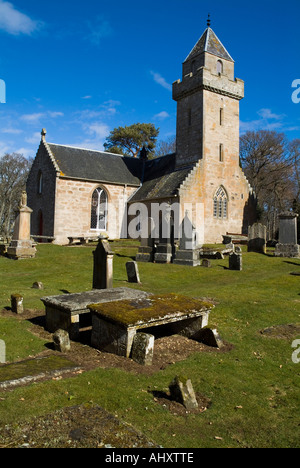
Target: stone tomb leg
115,325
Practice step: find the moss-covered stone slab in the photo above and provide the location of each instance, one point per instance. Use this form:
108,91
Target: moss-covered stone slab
30,370
115,324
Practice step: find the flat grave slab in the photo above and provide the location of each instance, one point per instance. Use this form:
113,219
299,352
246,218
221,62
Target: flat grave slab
32,370
115,324
70,312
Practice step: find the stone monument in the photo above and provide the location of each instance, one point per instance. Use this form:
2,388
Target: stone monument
146,249
103,266
257,238
189,252
287,245
21,245
165,247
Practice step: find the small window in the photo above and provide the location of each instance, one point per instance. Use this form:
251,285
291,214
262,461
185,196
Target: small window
221,116
219,66
221,153
40,183
220,207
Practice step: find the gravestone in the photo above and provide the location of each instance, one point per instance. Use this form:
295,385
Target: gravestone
21,245
132,272
165,247
287,245
235,261
146,250
2,352
188,253
182,391
17,304
257,238
103,266
206,263
61,341
210,337
142,349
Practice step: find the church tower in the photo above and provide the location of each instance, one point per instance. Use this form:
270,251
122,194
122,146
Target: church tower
208,104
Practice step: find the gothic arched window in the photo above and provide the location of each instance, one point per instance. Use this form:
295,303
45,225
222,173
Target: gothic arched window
220,203
99,210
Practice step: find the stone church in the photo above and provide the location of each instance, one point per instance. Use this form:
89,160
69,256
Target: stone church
76,192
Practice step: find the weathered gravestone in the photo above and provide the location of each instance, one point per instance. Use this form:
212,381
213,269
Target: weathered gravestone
17,304
61,341
257,238
182,391
287,245
21,245
132,272
210,337
142,349
235,261
103,266
165,248
146,250
188,253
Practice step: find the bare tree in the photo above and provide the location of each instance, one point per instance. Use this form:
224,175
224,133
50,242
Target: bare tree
14,169
267,162
164,147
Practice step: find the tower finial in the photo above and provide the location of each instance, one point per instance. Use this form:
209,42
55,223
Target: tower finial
208,21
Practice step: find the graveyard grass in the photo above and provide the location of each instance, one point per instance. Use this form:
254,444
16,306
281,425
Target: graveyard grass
253,388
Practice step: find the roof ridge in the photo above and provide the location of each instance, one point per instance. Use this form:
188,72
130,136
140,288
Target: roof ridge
87,149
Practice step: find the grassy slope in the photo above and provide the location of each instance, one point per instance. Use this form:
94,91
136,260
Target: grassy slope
254,389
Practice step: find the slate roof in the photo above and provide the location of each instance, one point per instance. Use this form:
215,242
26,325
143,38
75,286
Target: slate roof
161,179
210,43
97,166
155,178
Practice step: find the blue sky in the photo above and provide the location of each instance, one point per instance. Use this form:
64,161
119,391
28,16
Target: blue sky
81,68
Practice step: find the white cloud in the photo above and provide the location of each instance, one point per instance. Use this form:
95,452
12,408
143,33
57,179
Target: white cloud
56,114
11,131
98,129
162,115
15,22
268,121
34,139
161,81
32,117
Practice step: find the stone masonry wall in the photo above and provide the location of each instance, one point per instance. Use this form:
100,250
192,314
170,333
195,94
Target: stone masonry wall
73,208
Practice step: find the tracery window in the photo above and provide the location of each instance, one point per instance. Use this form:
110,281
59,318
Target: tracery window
221,203
99,210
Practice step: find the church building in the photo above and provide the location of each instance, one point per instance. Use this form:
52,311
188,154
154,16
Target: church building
76,192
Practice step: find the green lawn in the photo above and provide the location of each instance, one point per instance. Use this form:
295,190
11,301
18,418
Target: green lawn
254,389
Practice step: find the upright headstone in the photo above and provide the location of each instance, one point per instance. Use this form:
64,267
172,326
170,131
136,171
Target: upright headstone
132,272
21,245
17,304
188,253
235,261
142,349
257,238
61,341
164,250
146,249
287,245
103,266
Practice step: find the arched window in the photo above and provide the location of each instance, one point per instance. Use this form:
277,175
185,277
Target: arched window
220,203
99,210
219,66
40,183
